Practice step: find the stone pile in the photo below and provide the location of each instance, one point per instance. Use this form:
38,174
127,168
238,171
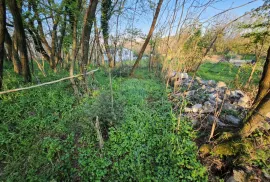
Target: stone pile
206,98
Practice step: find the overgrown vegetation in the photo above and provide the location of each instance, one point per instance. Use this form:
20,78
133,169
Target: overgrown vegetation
235,77
47,135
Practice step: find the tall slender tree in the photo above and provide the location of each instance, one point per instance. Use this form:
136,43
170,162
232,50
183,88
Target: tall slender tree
150,33
87,26
21,38
106,7
2,37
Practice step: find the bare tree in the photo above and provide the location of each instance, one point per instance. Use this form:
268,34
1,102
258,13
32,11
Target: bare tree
152,28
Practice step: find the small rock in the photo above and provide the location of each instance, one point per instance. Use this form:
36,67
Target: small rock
228,92
267,175
211,82
232,119
221,84
213,96
228,106
182,75
196,107
238,176
243,101
207,107
203,87
213,102
190,93
218,100
212,118
211,89
187,109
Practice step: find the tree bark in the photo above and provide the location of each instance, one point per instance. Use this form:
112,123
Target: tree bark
87,26
74,22
21,39
264,84
17,67
105,17
2,38
98,44
152,28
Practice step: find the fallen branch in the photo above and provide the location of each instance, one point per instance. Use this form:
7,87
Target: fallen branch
47,83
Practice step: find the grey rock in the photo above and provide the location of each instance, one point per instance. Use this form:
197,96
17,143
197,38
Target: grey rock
232,119
210,89
267,175
196,107
212,118
213,96
213,102
231,179
207,107
182,75
228,106
211,82
190,93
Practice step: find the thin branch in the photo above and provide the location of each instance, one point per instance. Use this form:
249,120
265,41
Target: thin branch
47,83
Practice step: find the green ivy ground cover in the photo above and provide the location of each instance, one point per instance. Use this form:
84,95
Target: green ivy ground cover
47,135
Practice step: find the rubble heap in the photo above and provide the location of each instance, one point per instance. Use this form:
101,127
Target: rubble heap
208,100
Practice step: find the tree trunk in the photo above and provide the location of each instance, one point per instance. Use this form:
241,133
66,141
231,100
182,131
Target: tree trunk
87,26
20,35
152,28
2,37
98,43
53,47
264,84
105,17
13,54
73,22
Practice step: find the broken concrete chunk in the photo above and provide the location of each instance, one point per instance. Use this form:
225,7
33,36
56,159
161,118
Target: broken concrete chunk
232,119
221,84
196,107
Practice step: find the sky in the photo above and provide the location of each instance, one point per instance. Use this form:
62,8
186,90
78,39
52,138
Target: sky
144,22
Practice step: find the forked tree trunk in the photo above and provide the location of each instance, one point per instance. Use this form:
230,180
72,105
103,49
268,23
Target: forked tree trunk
20,35
152,28
2,37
